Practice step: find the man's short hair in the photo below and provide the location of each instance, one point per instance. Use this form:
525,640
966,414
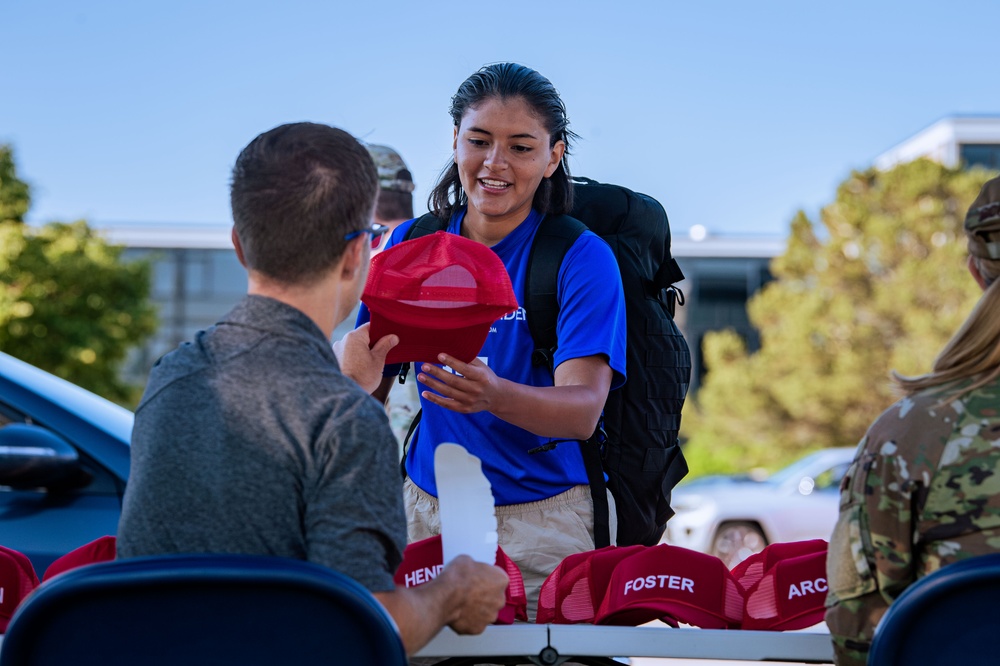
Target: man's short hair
297,190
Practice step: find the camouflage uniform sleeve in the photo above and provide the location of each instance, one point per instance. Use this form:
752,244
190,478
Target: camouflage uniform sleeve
870,556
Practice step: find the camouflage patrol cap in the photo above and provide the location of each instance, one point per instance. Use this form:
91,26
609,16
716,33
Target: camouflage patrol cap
982,223
392,172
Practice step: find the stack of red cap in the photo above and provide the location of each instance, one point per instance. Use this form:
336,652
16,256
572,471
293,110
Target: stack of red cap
17,580
752,569
674,585
438,293
785,586
423,561
99,550
574,591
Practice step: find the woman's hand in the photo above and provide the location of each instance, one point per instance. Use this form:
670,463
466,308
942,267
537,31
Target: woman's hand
568,410
466,388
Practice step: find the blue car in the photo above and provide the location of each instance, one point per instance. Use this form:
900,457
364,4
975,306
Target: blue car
64,462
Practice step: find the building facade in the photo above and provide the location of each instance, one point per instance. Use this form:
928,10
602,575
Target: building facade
721,274
961,139
196,278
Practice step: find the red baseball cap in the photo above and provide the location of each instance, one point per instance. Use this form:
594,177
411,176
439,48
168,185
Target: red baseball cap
17,580
101,549
672,584
574,591
423,560
752,569
790,595
438,293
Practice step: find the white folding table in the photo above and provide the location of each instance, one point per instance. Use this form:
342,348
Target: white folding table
552,644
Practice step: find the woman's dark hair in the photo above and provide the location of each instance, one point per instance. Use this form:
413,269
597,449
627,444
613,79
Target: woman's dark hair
505,81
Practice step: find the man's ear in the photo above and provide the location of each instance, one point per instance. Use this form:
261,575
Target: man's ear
238,247
354,257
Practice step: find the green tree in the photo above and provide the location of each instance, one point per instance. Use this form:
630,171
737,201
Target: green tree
68,302
883,287
15,194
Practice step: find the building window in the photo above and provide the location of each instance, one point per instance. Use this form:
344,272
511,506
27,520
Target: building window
980,154
724,290
230,278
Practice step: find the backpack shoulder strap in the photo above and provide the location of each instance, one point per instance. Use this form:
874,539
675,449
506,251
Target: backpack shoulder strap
553,239
425,225
406,441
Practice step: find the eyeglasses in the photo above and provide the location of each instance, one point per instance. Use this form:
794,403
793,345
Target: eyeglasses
376,231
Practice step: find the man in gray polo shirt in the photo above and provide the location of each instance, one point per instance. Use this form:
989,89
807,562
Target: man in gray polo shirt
256,437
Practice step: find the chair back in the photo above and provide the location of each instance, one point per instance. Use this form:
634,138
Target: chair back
951,616
201,609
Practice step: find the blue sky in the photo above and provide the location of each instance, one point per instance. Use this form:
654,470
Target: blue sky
734,114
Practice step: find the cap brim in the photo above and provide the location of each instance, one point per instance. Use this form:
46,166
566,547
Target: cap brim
671,612
801,621
509,613
424,344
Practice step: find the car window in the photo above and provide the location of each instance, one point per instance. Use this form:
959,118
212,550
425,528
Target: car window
830,479
793,472
90,407
8,416
102,482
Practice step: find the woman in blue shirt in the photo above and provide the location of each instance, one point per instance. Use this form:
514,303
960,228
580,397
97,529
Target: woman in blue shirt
508,172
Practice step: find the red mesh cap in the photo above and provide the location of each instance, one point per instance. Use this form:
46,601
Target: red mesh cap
574,591
438,293
17,580
98,550
674,585
790,595
423,560
752,569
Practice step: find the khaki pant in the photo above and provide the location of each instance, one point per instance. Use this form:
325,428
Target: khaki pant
536,535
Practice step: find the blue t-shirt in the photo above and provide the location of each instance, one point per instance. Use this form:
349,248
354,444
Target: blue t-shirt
591,321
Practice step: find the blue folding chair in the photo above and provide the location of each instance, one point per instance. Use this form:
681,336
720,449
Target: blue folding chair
201,609
949,617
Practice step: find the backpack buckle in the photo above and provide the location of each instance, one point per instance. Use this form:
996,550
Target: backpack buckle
671,297
543,357
600,436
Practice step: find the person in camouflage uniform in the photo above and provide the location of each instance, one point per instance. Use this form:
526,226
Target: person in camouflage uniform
395,188
924,488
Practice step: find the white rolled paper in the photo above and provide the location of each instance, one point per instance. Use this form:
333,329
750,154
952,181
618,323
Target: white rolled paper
465,497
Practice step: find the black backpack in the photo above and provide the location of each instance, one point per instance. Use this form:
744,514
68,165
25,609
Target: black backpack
636,443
